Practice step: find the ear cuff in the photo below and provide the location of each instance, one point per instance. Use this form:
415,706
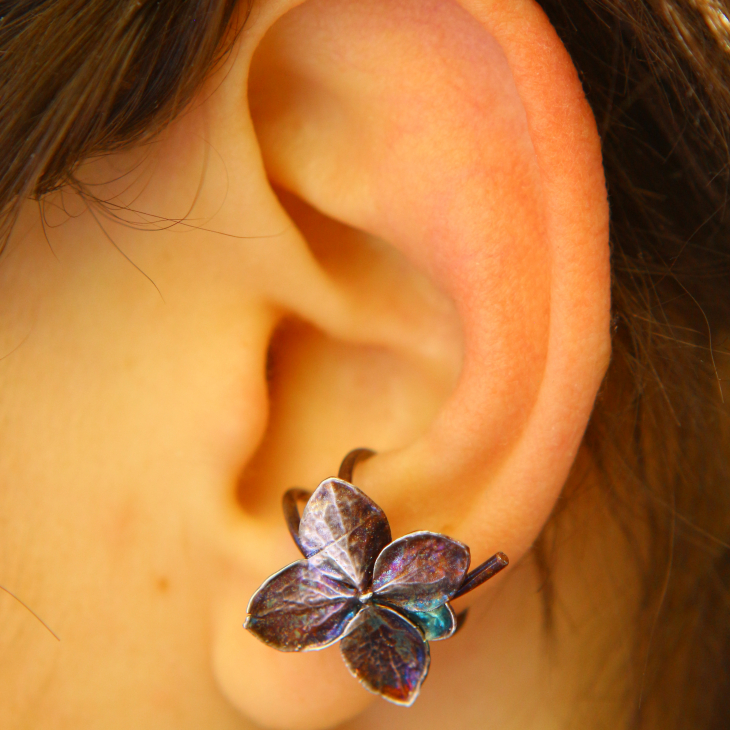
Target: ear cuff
384,600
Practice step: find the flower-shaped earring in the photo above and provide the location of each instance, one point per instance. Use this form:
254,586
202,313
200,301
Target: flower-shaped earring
384,600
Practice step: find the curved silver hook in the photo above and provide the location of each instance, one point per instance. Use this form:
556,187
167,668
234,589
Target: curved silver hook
295,496
290,505
351,460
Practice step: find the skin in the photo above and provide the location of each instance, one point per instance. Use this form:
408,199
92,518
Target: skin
395,236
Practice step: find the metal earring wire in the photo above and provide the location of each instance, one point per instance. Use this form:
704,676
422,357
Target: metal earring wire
384,600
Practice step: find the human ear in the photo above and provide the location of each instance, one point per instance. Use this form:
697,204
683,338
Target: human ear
450,148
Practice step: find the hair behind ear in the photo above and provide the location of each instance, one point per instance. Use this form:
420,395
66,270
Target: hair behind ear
660,433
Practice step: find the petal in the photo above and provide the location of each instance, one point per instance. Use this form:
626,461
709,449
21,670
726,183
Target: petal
386,653
420,571
342,527
435,625
301,609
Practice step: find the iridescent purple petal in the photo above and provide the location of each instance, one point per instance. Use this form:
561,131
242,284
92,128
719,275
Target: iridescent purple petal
343,530
420,571
301,609
386,653
435,625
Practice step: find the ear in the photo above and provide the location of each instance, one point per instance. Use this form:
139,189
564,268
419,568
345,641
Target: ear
444,166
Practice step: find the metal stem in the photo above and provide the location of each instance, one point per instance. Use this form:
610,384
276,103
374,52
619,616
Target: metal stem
482,573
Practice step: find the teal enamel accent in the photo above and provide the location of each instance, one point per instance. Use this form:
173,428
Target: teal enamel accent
436,625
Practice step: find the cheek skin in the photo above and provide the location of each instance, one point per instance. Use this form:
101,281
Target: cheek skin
117,409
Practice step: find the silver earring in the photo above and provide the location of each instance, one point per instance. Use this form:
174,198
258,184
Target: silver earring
383,600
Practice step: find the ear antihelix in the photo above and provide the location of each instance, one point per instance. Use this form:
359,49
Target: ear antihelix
459,134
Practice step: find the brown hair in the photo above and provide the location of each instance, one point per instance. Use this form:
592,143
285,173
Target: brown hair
80,78
84,77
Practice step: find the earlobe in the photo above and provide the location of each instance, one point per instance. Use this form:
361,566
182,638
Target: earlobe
458,136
